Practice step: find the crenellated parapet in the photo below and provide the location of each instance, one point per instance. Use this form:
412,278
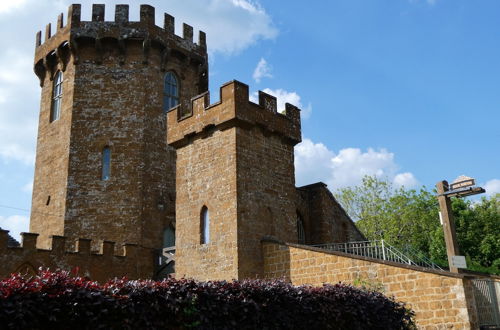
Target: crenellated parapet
134,261
122,35
233,109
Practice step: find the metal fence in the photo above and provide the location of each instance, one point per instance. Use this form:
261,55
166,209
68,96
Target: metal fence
381,250
166,262
487,296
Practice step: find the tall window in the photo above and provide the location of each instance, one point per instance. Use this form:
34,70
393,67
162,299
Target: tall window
300,230
170,91
106,163
168,237
55,111
205,226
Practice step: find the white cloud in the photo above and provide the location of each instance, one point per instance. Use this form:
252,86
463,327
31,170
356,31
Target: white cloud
262,70
312,162
28,187
492,187
231,26
283,97
315,162
12,5
406,180
18,99
16,224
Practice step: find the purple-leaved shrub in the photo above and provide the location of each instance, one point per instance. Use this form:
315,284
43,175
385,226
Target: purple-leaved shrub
57,300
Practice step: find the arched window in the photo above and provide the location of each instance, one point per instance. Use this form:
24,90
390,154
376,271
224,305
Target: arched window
205,226
170,91
55,110
300,230
106,163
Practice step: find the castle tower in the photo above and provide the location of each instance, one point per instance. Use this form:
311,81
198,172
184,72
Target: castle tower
234,180
103,168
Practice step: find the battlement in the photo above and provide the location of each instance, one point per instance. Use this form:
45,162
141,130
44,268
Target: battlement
58,246
134,262
121,33
233,109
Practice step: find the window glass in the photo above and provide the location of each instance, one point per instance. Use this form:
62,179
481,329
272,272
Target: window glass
205,226
106,163
55,111
168,237
170,91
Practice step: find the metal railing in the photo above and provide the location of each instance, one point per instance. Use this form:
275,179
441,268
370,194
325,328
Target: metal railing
165,262
167,255
487,297
381,250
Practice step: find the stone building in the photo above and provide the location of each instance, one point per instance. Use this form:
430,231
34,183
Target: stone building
131,153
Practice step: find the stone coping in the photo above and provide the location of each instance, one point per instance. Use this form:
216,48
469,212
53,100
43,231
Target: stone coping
384,262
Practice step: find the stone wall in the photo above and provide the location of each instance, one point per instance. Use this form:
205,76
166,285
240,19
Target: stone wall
236,158
325,221
441,300
48,205
206,176
135,262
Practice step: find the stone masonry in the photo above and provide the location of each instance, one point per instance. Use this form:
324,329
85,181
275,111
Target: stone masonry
325,221
218,149
112,97
133,262
441,300
233,158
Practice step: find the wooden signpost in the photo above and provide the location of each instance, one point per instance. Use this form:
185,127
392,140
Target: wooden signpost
462,186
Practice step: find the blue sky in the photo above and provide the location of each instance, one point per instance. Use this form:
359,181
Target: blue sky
403,89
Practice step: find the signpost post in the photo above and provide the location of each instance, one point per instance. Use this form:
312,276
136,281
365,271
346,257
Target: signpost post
462,186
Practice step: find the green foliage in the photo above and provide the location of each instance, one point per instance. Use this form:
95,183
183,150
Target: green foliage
369,285
407,217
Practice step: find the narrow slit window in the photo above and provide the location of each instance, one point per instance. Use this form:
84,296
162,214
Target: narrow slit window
55,110
106,163
205,226
170,91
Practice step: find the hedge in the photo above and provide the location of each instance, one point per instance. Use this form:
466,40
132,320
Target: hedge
57,300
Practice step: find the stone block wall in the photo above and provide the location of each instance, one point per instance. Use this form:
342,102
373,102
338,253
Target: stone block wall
441,300
135,262
206,177
48,205
325,221
266,185
236,158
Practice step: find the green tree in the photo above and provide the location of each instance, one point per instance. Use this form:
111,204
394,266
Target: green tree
407,217
478,232
399,216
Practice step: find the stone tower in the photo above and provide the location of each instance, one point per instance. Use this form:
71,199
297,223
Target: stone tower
103,168
235,181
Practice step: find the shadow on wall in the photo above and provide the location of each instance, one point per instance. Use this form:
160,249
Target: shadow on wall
437,297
